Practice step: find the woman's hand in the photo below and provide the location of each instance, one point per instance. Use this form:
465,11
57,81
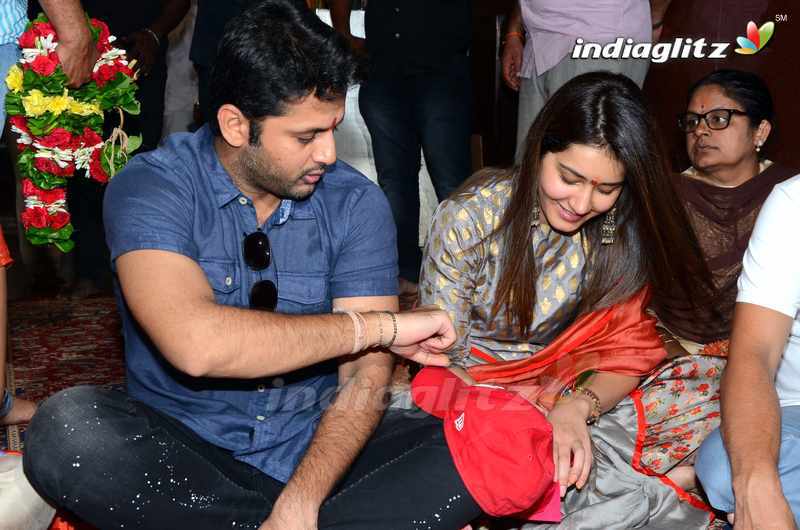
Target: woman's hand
572,446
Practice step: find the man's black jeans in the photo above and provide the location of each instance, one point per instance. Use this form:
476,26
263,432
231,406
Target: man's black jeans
117,463
404,113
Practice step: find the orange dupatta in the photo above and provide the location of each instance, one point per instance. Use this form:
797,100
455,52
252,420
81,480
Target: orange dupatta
621,339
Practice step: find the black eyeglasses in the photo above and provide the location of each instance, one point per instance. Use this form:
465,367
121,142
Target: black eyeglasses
716,119
258,255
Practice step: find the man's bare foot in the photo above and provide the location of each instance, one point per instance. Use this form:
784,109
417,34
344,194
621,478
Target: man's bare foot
21,412
683,477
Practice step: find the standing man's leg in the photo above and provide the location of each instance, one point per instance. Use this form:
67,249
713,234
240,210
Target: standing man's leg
386,105
714,469
116,463
443,114
532,98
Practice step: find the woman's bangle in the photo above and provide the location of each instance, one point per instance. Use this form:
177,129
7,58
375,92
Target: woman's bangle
595,412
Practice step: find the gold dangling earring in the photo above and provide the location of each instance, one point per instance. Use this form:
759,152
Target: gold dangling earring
536,213
758,147
609,227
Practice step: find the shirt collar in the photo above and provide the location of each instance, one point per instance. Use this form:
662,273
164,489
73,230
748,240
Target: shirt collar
226,191
221,184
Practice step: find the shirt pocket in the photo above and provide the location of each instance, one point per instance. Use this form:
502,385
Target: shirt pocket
303,294
223,276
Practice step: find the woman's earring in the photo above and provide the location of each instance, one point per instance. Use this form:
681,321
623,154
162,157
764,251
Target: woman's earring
536,213
758,147
609,227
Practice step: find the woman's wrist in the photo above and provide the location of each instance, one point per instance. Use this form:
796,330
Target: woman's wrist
582,407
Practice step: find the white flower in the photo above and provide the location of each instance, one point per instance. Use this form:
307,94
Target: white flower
62,157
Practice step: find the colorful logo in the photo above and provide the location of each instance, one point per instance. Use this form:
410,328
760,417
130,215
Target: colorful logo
756,39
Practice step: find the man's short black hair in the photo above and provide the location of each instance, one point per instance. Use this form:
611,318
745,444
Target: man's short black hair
276,52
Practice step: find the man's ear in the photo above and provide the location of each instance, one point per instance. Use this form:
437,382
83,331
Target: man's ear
233,125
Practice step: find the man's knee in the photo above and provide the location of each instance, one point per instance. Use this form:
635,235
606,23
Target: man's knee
714,472
62,426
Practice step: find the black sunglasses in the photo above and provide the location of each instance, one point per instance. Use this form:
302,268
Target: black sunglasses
258,255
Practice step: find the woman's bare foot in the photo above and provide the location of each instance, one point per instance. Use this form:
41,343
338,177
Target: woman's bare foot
21,412
683,477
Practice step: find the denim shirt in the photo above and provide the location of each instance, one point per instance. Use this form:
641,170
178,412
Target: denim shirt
338,243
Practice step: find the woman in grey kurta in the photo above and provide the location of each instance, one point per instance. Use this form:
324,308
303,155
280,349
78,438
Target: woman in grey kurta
577,204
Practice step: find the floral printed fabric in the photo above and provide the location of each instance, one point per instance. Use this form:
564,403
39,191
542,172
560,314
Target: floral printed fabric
681,408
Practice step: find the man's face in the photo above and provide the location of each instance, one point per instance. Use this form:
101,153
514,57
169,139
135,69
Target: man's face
293,150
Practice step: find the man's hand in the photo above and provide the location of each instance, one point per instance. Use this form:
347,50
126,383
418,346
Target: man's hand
142,46
760,505
423,334
77,56
76,49
572,446
512,61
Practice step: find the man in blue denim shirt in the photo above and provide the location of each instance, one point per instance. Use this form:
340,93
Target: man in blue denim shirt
247,401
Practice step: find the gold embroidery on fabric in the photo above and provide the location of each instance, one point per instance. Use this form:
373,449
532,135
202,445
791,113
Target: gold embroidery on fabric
561,270
573,260
547,281
545,304
560,294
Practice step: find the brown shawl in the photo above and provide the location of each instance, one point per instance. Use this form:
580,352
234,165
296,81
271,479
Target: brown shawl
722,219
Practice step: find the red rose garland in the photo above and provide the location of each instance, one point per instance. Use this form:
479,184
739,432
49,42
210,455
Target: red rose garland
59,129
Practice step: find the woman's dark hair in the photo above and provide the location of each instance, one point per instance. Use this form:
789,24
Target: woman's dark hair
745,88
276,52
654,242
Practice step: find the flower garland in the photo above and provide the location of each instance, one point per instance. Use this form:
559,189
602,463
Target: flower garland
59,129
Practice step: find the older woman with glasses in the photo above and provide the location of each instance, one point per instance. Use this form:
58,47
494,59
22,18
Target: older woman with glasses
727,121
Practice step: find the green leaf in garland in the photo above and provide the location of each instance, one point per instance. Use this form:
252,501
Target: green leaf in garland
14,104
64,246
42,125
52,85
134,143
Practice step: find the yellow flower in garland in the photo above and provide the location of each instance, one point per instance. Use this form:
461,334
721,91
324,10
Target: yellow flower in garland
58,104
35,103
84,109
14,78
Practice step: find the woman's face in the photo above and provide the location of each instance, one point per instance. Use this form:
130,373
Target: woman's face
578,184
720,151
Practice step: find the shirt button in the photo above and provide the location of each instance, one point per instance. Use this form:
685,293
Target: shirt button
396,9
261,388
242,200
260,418
228,281
396,35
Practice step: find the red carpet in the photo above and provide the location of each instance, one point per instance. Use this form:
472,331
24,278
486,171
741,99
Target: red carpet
59,343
